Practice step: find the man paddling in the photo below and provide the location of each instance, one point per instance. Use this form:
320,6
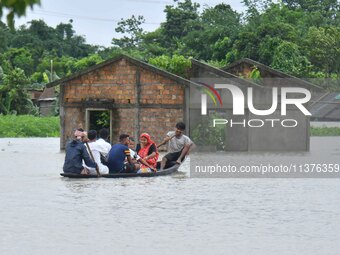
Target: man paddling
179,146
75,154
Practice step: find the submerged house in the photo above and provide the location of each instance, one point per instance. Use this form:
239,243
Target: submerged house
278,138
326,108
134,97
47,101
130,96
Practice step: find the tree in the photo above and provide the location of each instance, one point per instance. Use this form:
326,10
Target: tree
131,27
19,58
287,58
5,37
322,46
178,21
13,94
212,35
16,7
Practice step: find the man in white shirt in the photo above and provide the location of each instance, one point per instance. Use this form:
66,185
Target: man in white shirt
96,149
179,146
103,146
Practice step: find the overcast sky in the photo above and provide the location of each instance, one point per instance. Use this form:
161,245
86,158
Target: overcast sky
97,19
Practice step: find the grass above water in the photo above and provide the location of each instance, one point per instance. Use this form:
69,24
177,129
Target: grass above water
325,131
28,126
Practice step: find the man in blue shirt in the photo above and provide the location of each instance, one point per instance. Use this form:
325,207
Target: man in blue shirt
117,156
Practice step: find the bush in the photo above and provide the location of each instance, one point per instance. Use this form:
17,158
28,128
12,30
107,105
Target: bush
204,134
28,126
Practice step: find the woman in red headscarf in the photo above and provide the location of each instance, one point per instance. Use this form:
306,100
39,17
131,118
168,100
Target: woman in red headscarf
147,150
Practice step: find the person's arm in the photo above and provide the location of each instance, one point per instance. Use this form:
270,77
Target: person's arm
187,148
184,153
166,139
128,156
129,159
152,152
147,164
192,147
152,155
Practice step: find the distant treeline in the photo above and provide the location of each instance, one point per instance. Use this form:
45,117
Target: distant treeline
299,37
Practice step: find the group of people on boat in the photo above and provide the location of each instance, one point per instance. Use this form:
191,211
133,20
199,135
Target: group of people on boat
85,154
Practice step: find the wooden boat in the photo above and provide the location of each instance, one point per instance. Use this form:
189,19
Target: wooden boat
163,172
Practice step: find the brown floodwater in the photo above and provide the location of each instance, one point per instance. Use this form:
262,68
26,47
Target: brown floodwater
43,213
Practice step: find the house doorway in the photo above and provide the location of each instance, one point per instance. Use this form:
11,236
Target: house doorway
96,119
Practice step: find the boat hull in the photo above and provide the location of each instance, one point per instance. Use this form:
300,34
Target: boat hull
167,171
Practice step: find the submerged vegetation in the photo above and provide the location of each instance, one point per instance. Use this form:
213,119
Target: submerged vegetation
28,126
325,131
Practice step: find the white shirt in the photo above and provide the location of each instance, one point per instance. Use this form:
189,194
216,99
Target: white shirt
177,144
134,154
97,148
103,146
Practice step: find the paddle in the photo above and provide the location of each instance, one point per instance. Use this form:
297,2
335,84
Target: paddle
165,141
147,164
88,148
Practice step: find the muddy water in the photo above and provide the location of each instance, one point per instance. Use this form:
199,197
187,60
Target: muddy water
42,213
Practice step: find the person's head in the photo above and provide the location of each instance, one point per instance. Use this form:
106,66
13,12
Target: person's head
92,135
80,134
144,139
104,133
180,127
132,144
124,139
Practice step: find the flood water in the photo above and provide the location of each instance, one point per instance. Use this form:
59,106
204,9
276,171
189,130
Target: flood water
43,213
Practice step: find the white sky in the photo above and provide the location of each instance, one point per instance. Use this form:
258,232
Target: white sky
97,20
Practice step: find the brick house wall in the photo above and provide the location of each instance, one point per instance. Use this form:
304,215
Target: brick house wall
141,98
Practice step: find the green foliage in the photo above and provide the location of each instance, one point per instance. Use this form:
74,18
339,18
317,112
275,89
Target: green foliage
86,62
288,59
176,64
132,28
28,126
16,7
255,75
323,48
325,131
19,58
13,94
178,18
300,37
204,134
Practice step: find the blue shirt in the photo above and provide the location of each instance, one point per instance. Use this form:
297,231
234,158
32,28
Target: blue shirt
75,154
117,157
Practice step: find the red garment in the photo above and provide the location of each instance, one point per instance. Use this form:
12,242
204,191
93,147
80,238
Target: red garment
143,152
